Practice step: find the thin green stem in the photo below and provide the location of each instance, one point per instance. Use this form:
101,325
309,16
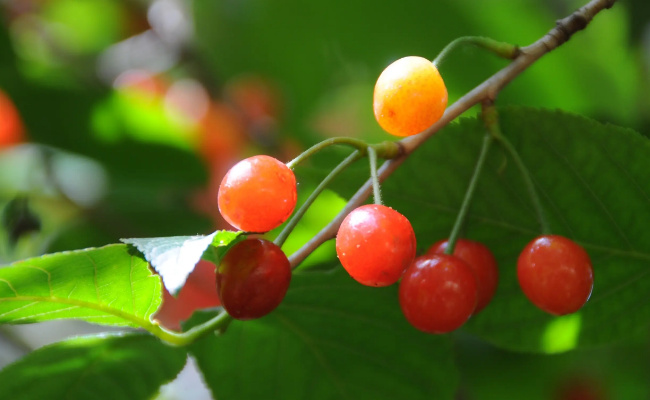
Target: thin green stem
376,190
282,237
469,194
495,130
218,323
358,144
501,49
528,182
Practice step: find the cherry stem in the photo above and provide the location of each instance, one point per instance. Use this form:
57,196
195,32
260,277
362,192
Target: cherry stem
501,49
469,194
217,324
385,149
297,216
563,30
376,190
492,124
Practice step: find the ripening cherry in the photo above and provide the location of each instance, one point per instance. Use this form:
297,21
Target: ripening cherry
375,244
253,278
438,293
482,262
410,96
555,273
257,194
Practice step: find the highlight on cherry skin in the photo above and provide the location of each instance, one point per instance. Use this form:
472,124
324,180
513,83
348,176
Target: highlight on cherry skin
253,278
556,274
438,293
482,262
409,96
375,244
257,194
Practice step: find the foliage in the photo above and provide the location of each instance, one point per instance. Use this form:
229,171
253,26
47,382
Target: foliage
108,152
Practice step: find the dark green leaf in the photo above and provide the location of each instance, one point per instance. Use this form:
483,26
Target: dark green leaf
594,181
111,367
330,338
540,377
107,285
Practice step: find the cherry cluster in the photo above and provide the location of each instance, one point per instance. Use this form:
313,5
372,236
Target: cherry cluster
439,290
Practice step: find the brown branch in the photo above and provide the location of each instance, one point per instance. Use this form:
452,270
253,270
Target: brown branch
488,90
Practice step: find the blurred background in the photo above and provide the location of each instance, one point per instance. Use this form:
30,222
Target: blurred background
119,119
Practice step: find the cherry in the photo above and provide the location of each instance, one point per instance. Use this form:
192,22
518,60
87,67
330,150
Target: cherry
12,130
257,194
438,293
375,244
253,278
410,96
480,260
555,273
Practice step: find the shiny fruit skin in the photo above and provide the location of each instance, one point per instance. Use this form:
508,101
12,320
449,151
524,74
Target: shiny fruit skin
375,244
482,262
438,293
253,278
555,273
257,194
410,96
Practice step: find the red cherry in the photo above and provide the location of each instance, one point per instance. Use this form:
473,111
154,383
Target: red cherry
438,293
375,244
480,260
257,194
555,274
253,278
12,130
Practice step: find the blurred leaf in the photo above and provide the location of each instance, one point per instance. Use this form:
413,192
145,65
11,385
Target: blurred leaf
540,377
43,171
594,181
18,219
332,50
564,78
105,286
330,338
175,257
109,367
84,26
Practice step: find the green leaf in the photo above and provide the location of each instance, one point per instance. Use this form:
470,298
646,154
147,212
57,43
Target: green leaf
612,372
106,285
330,338
175,257
594,181
221,243
111,367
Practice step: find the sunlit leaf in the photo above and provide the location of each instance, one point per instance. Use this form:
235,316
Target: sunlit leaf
106,285
175,257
